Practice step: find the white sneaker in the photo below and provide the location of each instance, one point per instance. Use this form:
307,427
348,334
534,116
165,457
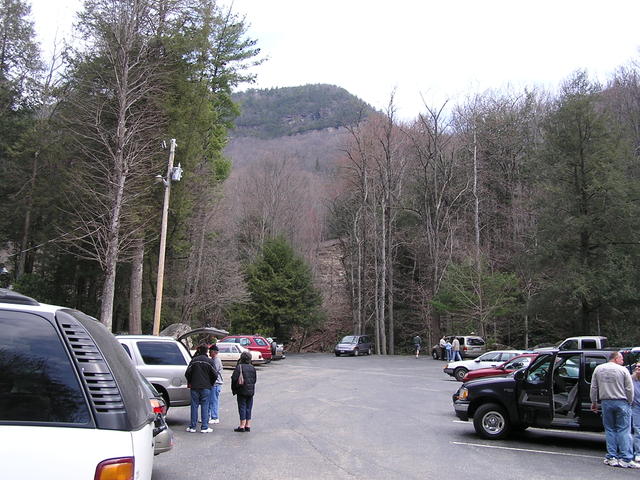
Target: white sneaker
611,461
191,430
631,464
208,430
213,421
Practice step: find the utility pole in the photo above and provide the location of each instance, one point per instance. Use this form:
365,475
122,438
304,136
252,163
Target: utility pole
163,238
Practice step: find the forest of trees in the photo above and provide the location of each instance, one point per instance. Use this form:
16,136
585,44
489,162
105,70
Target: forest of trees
513,215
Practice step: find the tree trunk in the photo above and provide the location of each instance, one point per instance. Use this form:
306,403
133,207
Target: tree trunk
135,295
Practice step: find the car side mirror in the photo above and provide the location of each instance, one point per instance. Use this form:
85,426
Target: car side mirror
477,360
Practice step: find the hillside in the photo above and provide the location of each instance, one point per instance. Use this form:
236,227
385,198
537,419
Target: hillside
279,112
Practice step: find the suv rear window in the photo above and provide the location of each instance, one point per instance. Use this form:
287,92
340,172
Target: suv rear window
161,353
38,381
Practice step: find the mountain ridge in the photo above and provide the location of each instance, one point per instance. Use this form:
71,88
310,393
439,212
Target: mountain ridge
285,111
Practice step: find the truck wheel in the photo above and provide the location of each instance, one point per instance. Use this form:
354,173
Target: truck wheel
434,354
491,421
459,373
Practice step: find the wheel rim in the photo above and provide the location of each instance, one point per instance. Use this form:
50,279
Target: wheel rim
493,423
460,375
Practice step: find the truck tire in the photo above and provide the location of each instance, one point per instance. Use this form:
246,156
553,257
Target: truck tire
491,421
459,373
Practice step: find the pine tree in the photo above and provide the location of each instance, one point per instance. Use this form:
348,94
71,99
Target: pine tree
282,293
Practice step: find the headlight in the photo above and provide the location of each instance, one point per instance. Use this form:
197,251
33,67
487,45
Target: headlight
463,393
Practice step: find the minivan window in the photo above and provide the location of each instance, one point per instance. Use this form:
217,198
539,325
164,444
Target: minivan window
476,342
161,353
38,381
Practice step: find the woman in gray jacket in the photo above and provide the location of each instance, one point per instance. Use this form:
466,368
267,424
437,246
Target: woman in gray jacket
243,381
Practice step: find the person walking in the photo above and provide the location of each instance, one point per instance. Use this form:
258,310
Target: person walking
611,385
201,376
635,412
455,349
243,381
417,344
214,397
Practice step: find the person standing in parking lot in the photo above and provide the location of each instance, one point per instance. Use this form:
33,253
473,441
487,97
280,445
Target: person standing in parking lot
455,350
443,349
635,412
214,398
201,376
447,349
417,344
611,385
243,381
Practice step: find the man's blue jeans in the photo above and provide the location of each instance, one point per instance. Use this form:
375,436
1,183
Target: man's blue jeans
455,355
616,419
214,400
200,398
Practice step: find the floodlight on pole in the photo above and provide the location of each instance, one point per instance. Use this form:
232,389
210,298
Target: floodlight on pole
171,175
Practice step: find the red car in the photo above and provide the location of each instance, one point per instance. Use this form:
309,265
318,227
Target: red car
516,363
252,342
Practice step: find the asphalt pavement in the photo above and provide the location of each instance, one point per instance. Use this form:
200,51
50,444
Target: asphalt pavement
317,416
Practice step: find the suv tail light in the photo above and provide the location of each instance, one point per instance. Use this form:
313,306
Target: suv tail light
158,406
464,349
115,469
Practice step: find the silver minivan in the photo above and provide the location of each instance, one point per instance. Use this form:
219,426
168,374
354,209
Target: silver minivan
471,346
354,345
163,361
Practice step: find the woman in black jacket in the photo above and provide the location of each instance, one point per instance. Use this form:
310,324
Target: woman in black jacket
244,390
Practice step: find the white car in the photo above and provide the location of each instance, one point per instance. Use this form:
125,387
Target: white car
72,406
490,359
229,354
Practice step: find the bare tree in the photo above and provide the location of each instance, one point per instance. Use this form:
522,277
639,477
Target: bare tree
115,118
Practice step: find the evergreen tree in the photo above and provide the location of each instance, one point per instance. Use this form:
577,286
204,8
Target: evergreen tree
282,293
588,228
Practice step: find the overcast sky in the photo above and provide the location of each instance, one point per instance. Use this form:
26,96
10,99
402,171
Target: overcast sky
436,50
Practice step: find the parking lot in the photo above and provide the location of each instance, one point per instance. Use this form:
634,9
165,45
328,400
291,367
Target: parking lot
316,416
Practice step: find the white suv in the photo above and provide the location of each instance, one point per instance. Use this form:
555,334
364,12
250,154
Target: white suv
71,405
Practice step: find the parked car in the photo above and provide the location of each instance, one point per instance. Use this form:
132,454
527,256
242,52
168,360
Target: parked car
277,349
516,363
72,406
252,342
552,392
471,346
161,431
488,360
354,345
578,343
163,361
229,354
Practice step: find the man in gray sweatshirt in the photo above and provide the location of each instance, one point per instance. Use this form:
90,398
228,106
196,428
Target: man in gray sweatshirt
611,385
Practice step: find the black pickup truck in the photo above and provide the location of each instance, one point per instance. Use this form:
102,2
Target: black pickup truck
553,392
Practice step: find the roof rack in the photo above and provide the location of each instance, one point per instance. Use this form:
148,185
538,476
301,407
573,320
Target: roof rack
9,296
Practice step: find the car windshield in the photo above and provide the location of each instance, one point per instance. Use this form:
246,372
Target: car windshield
348,339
